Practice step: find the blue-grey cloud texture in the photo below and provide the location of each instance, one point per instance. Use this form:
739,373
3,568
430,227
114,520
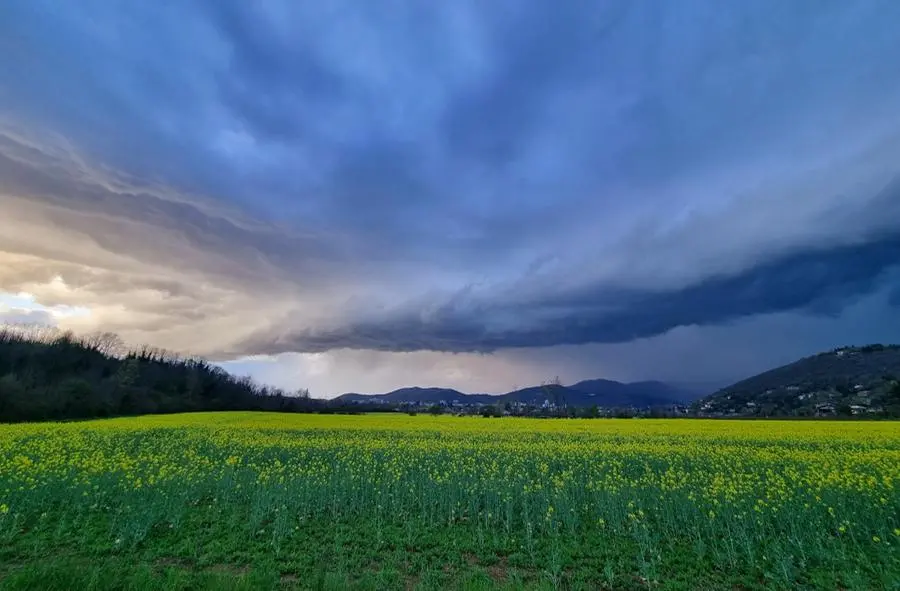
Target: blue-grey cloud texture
233,178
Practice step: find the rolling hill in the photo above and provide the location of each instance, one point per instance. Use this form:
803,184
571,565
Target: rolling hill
601,393
844,381
47,374
417,395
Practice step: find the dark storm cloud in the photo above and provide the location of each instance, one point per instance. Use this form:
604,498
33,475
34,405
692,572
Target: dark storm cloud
236,178
545,51
817,282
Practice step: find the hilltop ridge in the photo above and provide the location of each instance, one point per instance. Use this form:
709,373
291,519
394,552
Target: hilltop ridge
46,374
587,393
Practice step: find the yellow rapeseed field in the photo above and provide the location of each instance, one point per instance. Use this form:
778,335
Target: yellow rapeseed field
736,492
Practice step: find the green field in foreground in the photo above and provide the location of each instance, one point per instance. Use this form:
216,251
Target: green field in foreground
256,501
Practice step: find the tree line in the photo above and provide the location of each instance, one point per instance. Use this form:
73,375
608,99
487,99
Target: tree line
47,374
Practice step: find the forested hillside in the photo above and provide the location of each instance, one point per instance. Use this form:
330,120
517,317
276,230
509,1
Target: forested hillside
49,375
861,381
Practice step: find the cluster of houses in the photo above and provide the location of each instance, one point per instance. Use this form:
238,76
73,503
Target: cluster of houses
541,408
824,403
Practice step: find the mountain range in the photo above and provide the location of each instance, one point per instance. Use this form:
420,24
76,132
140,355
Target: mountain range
600,392
863,380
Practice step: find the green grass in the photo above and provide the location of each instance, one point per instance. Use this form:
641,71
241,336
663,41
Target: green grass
208,552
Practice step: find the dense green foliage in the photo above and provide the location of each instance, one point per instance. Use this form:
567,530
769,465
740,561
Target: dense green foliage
848,381
45,374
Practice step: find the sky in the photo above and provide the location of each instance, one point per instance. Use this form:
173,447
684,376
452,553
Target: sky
345,196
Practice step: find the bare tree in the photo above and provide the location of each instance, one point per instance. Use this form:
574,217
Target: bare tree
107,343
